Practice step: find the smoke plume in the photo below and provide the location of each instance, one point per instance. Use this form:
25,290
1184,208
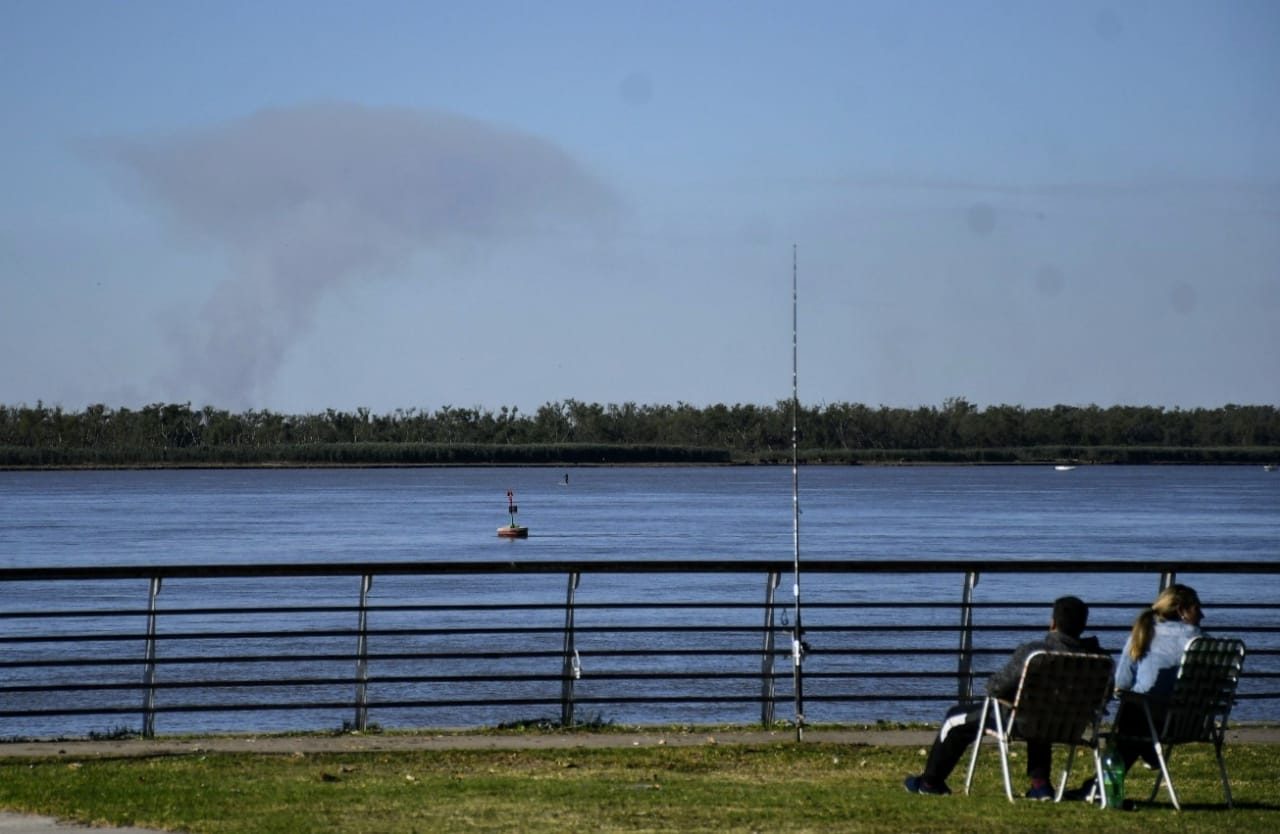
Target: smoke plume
305,199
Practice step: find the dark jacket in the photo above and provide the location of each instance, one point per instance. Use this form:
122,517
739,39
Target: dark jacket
1004,683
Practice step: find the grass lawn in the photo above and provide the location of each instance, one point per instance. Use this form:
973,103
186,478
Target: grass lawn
808,787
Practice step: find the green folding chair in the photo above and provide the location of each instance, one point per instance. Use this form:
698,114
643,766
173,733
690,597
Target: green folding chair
1196,710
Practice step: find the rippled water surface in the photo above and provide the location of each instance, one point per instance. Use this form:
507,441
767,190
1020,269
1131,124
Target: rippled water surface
239,516
1011,514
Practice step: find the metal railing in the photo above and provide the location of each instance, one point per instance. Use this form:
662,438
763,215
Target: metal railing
452,644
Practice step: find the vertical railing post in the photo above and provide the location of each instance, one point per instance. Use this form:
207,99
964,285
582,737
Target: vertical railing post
964,673
362,656
149,667
571,668
1167,578
767,688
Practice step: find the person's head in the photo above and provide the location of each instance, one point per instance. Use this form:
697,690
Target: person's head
1177,602
1070,616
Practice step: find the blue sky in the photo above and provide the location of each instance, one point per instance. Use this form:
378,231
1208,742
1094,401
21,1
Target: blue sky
310,205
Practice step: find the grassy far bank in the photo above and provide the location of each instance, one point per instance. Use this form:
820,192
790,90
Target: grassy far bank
807,787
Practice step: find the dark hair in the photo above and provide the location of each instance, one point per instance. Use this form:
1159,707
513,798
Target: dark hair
1070,615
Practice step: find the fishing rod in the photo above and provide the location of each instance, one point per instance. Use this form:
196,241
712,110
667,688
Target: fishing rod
797,633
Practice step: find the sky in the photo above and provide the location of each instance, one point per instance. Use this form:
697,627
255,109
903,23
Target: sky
299,206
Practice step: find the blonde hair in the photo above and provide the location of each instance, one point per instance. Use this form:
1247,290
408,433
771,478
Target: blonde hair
1169,605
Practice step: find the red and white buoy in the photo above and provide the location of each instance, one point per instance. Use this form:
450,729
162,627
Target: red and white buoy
513,530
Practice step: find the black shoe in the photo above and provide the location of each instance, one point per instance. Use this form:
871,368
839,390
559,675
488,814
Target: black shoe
916,784
1087,792
1043,793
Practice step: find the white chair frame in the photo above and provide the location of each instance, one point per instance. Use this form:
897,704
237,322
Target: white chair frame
1060,699
1196,710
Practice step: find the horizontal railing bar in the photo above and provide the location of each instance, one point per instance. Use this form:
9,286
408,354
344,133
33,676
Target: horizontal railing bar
246,683
393,657
342,705
661,628
418,632
619,676
676,566
549,701
287,682
610,675
582,606
408,704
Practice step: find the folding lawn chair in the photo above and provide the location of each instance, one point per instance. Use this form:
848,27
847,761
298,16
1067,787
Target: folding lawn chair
1060,700
1196,710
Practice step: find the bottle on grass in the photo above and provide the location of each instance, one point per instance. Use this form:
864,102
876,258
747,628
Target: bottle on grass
1113,778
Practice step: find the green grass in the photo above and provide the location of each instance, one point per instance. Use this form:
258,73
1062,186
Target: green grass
787,787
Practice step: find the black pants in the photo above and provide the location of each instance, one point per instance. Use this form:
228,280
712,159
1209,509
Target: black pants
958,731
1133,734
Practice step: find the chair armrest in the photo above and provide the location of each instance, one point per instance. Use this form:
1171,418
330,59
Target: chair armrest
1129,697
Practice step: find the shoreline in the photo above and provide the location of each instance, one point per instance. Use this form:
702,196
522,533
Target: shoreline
900,464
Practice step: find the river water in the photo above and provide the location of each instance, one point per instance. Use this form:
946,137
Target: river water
249,516
655,513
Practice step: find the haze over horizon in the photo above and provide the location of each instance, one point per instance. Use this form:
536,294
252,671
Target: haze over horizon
298,206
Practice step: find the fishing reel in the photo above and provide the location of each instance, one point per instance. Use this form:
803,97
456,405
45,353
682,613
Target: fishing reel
799,649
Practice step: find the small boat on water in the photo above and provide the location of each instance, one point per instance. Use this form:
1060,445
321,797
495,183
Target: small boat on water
513,530
1270,467
1063,467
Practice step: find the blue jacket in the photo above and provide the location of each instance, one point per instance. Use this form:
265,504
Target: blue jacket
1155,673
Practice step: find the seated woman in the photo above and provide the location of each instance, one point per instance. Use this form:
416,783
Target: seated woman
1149,663
1149,666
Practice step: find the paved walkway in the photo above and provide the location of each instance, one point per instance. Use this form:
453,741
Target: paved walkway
382,742
29,824
11,823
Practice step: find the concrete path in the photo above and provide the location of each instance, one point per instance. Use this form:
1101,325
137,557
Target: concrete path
384,742
29,824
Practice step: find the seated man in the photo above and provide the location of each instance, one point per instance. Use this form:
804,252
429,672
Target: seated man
960,728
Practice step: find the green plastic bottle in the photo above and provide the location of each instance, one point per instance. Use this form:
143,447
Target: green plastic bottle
1113,778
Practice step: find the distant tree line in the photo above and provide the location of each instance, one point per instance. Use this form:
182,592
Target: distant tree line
576,432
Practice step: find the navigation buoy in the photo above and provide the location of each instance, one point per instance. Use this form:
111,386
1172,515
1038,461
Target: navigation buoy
513,530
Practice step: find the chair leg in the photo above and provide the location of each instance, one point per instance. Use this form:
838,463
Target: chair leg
1097,781
977,742
1066,775
1222,770
1164,767
1164,771
1003,739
